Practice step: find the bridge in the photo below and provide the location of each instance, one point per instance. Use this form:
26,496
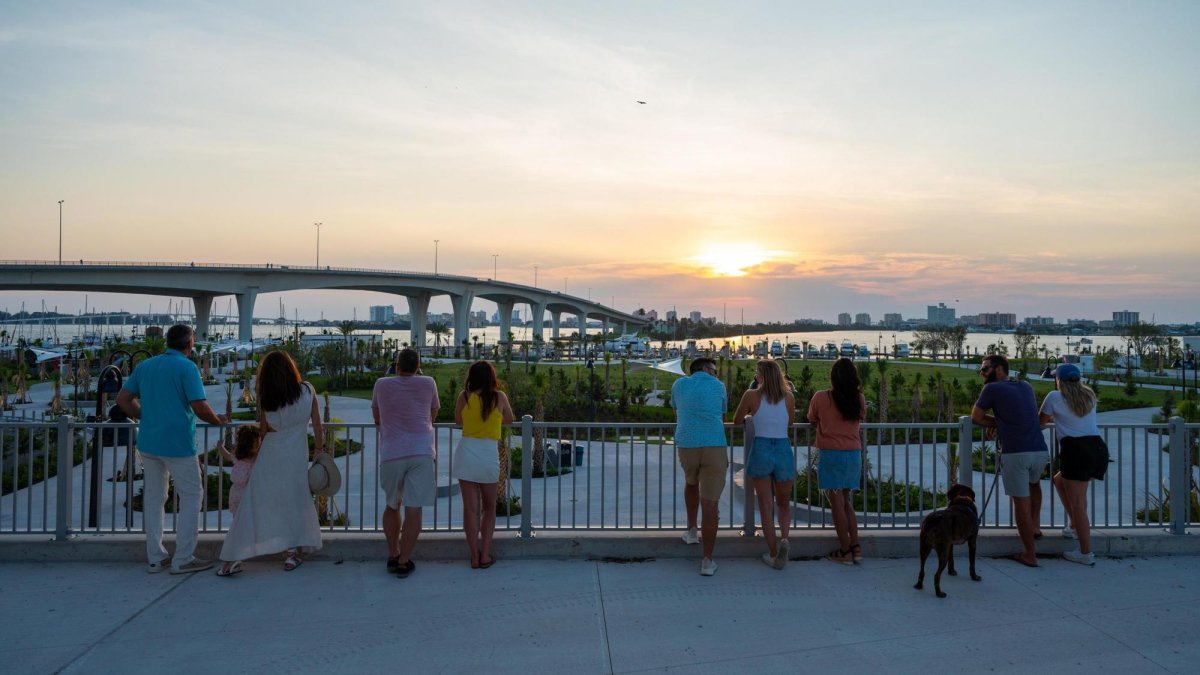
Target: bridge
204,282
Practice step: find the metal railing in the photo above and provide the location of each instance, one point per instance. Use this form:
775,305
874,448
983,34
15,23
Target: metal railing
598,476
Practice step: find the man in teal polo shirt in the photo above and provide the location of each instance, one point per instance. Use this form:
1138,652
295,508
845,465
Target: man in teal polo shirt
166,394
700,401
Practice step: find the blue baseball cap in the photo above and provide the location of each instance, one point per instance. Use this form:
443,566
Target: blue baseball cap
1067,372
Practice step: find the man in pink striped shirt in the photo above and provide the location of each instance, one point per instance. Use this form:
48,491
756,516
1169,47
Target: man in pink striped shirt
404,408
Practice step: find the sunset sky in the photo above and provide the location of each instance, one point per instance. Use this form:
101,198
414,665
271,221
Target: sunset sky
791,159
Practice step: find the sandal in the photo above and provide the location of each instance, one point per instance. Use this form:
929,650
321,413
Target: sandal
230,568
856,552
292,562
837,555
491,561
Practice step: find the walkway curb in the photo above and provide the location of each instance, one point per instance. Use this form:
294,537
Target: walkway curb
616,546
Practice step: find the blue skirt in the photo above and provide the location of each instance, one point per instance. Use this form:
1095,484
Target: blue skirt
839,469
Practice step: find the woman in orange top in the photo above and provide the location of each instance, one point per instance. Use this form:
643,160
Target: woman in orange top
838,413
480,410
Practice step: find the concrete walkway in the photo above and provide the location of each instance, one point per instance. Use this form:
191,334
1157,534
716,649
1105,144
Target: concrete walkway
1133,615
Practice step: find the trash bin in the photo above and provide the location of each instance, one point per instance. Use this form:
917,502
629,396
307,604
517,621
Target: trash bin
578,455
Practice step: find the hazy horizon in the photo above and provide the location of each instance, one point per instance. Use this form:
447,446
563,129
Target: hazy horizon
792,160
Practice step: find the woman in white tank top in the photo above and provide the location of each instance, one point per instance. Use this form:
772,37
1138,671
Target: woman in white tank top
771,462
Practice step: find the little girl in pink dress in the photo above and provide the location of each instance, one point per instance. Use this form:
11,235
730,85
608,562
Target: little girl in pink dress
245,450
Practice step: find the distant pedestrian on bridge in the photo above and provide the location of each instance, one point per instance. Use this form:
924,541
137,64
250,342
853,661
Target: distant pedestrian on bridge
404,408
699,401
166,394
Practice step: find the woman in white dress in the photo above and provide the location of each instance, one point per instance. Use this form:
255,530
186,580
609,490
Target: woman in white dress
277,511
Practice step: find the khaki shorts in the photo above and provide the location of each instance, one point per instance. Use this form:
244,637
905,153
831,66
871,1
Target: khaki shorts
705,467
1019,470
409,480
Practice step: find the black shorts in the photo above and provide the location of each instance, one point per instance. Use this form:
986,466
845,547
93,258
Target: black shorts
1082,457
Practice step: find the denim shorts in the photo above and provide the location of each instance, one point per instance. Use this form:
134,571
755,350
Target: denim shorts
839,469
773,458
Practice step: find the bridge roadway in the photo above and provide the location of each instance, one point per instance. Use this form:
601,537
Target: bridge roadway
204,282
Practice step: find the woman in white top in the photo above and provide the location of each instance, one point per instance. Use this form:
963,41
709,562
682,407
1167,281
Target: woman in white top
771,466
1082,453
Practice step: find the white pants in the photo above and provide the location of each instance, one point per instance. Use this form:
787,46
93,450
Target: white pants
186,472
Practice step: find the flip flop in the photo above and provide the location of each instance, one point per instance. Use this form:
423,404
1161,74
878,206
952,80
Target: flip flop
228,570
292,562
1016,557
491,561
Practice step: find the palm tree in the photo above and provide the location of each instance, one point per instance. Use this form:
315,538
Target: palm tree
439,330
882,365
915,402
607,364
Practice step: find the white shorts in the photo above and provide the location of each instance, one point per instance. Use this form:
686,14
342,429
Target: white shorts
1020,470
409,480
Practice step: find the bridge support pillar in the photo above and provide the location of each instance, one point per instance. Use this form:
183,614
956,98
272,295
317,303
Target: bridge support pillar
606,326
245,303
555,318
462,315
203,305
539,319
504,309
581,317
418,313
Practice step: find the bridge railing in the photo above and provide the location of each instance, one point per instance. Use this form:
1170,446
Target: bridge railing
590,476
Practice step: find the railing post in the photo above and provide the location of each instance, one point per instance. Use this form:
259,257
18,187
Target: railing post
526,475
966,432
1180,486
62,514
748,485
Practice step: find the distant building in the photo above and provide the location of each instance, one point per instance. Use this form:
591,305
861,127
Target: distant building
1125,318
652,315
862,319
672,315
844,319
382,313
1084,324
941,315
811,322
996,320
696,317
892,320
1038,321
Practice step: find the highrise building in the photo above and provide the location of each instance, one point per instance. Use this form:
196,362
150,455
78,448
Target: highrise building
941,315
1125,318
862,319
382,313
844,319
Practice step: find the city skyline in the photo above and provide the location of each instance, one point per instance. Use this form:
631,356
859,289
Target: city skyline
790,160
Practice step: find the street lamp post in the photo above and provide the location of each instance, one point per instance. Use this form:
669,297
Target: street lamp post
495,256
435,255
535,276
60,203
318,226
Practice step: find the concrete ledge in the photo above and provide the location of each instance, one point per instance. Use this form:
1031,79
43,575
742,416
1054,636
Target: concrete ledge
618,546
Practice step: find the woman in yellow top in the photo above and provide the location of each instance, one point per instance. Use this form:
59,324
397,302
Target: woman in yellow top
480,410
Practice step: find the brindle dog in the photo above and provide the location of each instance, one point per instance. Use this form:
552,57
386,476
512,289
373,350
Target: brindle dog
941,530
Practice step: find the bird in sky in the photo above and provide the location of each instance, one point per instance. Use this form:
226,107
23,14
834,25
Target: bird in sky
642,102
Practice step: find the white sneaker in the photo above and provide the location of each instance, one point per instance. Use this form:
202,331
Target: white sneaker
692,536
781,557
1088,559
156,567
769,560
1068,533
708,567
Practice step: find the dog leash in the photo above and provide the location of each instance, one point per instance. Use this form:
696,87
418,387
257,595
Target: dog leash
996,479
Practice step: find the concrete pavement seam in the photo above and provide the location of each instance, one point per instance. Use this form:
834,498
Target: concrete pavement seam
126,622
603,620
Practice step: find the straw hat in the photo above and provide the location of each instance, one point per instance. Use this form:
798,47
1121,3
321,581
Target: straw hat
324,479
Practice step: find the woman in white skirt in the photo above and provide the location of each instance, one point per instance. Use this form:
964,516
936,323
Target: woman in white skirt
480,410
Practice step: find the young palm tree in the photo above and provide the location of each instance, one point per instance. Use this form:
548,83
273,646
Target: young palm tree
882,365
915,401
539,383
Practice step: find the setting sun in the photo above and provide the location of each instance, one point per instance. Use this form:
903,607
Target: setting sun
732,260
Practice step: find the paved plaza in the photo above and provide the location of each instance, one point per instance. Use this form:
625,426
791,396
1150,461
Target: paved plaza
1131,615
